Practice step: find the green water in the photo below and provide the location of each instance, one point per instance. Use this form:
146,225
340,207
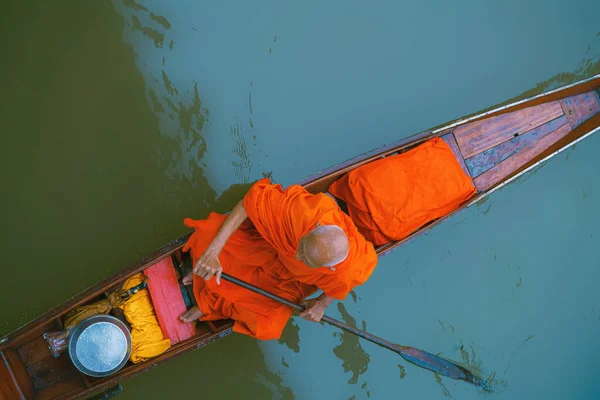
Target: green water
121,119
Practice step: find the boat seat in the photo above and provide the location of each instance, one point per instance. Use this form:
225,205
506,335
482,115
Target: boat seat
168,301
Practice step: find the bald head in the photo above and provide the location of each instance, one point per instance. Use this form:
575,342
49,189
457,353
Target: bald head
324,246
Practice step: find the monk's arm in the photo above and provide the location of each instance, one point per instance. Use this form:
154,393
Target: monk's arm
325,300
232,223
315,308
208,264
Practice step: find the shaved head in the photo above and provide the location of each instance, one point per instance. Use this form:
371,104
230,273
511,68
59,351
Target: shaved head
324,246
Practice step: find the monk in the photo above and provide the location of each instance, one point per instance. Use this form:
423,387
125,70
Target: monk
288,242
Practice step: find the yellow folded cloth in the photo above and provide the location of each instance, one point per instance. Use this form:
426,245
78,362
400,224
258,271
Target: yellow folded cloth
147,340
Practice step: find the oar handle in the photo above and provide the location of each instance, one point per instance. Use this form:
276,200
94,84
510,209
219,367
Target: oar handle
258,290
418,357
365,335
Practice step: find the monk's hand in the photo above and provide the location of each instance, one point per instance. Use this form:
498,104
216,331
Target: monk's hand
315,308
208,265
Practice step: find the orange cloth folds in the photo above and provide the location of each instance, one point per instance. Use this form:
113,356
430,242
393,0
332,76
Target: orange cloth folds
262,252
390,198
147,340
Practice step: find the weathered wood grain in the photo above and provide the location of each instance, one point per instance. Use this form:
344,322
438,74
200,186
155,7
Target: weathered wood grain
581,107
14,381
485,160
451,140
33,351
496,174
60,389
49,371
475,137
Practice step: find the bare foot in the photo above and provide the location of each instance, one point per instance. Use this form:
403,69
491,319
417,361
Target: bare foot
191,315
188,279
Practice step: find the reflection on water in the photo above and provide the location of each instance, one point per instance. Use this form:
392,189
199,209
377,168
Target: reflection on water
242,164
93,187
115,135
235,363
180,110
291,336
180,113
113,165
402,371
153,34
274,384
438,380
471,360
134,5
588,66
355,358
160,20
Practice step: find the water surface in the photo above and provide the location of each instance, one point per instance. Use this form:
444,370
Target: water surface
122,119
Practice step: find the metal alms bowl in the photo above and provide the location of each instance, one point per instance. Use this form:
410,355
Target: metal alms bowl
100,345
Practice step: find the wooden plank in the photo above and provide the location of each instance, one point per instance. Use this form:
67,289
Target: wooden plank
7,390
526,99
581,107
18,378
485,160
496,174
61,389
49,371
9,387
168,301
582,130
475,137
451,140
36,331
33,351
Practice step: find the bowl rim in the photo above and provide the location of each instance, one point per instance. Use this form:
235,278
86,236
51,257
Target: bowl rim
85,324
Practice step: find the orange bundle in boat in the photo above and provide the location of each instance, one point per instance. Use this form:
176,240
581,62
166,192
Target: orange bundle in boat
147,340
390,198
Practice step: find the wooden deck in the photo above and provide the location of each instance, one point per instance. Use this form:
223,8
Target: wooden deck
168,301
494,148
580,108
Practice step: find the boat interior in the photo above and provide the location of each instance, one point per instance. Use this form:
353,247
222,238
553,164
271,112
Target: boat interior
30,371
497,146
493,146
490,149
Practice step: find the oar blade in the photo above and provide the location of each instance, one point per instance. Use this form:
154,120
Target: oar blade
418,357
435,363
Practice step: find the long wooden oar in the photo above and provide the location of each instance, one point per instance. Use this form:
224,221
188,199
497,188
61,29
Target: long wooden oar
417,357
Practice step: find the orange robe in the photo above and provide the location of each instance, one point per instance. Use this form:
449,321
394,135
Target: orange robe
262,252
390,198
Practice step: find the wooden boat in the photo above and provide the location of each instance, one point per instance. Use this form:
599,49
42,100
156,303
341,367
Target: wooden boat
494,148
